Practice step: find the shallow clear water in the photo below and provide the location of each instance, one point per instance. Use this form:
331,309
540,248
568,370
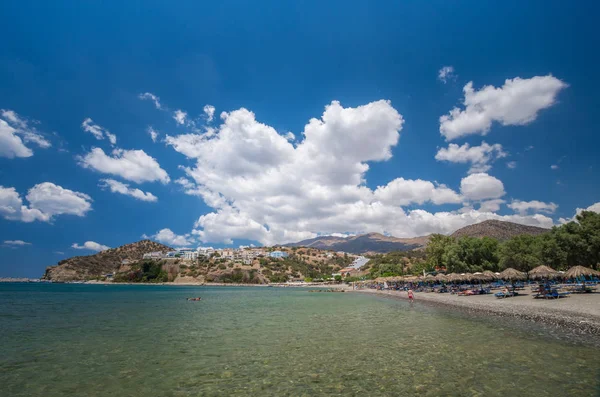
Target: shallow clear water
82,340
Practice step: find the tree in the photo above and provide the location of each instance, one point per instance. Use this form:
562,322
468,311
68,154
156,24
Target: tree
521,253
438,243
590,232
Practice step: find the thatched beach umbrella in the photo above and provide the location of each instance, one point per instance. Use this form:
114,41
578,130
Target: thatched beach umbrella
542,272
441,277
452,277
512,274
429,277
491,275
482,277
466,277
579,271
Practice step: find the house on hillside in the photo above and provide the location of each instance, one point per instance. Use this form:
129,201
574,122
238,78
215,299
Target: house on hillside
228,253
205,251
153,255
278,254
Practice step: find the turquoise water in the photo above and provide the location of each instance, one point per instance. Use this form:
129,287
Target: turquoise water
94,340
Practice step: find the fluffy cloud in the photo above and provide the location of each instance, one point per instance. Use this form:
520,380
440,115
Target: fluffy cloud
97,131
446,73
166,236
491,205
46,200
209,110
180,116
153,134
481,186
480,157
523,207
554,166
512,165
517,102
91,246
264,188
151,97
16,243
53,200
403,192
133,165
15,132
11,145
123,188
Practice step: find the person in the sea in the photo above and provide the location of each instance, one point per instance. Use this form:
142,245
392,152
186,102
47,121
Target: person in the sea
411,295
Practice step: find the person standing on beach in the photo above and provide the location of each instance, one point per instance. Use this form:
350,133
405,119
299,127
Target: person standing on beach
411,296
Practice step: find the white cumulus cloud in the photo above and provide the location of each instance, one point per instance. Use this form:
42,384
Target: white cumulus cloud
15,132
133,165
491,205
264,188
479,157
168,237
46,200
517,102
481,186
403,192
512,165
123,188
536,206
97,131
90,246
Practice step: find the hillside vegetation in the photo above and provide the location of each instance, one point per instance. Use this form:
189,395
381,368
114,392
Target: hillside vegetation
571,244
109,261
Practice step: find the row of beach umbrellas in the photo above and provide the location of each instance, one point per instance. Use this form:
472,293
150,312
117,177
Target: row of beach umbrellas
510,274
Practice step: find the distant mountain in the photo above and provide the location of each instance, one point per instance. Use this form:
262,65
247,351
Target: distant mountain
499,230
361,244
378,243
109,261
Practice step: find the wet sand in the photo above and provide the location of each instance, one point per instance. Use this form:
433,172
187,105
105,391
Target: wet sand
578,312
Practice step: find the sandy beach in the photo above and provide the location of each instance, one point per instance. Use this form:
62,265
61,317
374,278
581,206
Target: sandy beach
579,312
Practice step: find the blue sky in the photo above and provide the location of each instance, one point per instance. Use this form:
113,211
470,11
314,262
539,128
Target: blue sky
272,68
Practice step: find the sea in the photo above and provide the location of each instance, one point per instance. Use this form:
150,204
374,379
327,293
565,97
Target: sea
138,340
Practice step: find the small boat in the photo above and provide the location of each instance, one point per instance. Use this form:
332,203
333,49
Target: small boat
194,299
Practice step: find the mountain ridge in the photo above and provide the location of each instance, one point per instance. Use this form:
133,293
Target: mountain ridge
500,230
379,243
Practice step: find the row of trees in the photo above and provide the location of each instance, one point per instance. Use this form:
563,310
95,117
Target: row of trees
571,244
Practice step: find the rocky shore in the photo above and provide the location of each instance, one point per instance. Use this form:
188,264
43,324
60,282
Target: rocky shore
578,314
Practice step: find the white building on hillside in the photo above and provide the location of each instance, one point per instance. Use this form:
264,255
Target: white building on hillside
205,251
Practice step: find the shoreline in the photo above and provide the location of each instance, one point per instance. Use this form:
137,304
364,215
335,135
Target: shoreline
581,315
195,284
